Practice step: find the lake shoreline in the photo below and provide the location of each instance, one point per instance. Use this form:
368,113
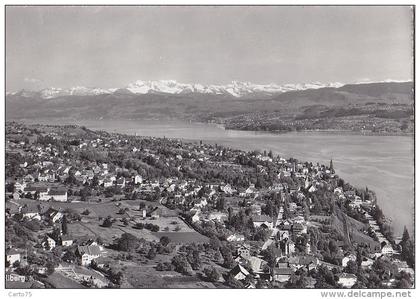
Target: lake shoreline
383,163
327,131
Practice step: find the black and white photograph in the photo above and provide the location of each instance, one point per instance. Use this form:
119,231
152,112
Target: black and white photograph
209,147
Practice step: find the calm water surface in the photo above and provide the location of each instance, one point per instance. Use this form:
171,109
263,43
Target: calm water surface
384,164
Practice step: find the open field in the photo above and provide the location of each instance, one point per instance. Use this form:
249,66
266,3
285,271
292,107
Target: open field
59,281
183,237
148,277
92,228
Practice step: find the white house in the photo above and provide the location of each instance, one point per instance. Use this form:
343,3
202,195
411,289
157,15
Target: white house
53,194
53,215
282,274
239,272
88,253
66,241
260,220
138,179
20,186
30,212
347,280
387,249
228,189
49,243
108,183
217,216
367,262
236,238
12,256
346,259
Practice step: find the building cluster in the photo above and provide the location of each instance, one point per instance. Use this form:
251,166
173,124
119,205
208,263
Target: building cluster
47,171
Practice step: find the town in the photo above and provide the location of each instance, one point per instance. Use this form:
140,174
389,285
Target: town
92,209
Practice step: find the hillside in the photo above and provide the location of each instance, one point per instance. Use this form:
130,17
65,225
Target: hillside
382,104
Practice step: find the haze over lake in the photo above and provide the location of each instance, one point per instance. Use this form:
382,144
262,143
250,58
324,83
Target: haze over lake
382,163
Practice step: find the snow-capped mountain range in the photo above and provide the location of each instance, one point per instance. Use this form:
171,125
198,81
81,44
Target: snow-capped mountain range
236,89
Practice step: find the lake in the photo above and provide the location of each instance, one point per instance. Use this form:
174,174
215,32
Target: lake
384,164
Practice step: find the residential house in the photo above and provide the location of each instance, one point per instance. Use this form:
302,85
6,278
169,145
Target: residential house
298,229
138,179
43,177
347,280
88,253
347,258
49,243
66,240
243,250
58,194
256,264
156,213
367,262
307,262
200,203
387,249
196,217
30,212
53,215
256,209
217,216
251,190
282,274
239,272
227,189
20,186
29,178
12,256
54,194
121,182
262,221
107,182
235,238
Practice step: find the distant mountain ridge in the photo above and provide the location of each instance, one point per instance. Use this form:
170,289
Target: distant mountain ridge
368,106
235,88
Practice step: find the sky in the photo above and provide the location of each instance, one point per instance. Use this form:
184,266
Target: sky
111,47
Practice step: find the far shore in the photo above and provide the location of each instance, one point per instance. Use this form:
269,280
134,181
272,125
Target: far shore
69,121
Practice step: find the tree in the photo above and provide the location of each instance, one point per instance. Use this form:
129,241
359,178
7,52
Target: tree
69,256
195,260
228,261
50,267
221,203
215,243
269,256
331,166
181,264
407,248
10,187
404,284
64,225
151,254
325,279
164,240
107,222
127,242
297,282
405,236
212,274
351,267
233,283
